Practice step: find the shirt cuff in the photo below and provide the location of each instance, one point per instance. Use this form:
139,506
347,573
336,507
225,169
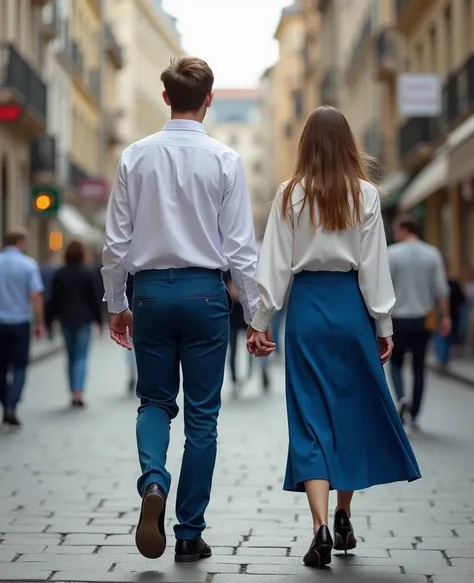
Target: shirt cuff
384,327
117,306
261,322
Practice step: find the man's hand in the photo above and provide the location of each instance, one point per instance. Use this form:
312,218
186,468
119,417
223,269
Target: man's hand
385,349
445,326
121,328
260,343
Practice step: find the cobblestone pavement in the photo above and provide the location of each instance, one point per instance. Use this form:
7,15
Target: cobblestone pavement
68,505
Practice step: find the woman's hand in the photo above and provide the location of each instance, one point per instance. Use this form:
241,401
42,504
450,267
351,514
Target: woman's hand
385,349
260,343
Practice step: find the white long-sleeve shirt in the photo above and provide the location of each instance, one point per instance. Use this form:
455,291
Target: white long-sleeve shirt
291,246
180,199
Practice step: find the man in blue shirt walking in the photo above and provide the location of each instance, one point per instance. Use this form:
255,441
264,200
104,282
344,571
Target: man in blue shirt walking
21,289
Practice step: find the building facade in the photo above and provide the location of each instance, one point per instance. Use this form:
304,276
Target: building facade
437,152
289,86
235,120
23,107
68,58
150,39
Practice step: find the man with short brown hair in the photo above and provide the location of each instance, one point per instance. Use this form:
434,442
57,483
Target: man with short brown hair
179,216
21,288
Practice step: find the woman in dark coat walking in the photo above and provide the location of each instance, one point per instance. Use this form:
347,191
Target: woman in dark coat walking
75,303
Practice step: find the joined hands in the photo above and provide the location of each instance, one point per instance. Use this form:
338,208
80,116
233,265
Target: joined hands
260,343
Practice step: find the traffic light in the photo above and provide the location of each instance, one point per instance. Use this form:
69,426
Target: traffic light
45,200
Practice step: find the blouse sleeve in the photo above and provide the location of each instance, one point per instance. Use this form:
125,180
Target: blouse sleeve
375,281
274,268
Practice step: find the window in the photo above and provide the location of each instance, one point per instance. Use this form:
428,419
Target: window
449,39
467,15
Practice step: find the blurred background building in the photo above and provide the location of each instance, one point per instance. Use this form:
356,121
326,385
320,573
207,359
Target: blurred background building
235,119
79,81
402,71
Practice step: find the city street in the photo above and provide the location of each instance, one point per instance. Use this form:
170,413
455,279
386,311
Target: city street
69,507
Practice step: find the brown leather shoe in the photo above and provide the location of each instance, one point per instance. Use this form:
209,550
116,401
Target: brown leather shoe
150,537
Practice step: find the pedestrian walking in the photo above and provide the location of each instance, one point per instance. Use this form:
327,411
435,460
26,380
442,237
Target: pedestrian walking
238,327
326,228
77,307
179,216
21,303
422,308
445,343
47,270
467,310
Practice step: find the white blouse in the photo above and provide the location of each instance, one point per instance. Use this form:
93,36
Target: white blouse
293,246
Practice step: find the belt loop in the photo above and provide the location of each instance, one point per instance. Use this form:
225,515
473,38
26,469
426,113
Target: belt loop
170,275
221,275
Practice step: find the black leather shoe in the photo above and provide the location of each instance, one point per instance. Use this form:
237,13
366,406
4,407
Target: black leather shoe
189,551
319,554
150,537
344,539
10,418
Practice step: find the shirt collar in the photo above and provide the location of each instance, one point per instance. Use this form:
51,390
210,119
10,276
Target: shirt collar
12,249
186,125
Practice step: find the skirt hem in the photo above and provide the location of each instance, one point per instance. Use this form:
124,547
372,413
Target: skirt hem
299,487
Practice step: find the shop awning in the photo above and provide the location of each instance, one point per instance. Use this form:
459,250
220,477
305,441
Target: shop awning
392,187
433,177
73,222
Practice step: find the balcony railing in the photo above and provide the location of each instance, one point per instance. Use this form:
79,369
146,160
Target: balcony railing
43,154
17,75
328,89
112,46
416,132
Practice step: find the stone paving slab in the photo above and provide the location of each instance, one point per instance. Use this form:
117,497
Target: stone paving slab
116,577
353,576
69,508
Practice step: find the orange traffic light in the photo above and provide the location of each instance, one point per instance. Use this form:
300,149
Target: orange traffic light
45,200
42,202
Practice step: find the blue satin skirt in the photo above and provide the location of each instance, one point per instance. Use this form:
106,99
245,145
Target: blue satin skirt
343,423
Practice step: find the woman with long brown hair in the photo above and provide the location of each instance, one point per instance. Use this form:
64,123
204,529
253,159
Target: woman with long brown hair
326,229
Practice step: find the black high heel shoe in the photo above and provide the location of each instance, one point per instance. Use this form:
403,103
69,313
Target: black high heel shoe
344,539
319,554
